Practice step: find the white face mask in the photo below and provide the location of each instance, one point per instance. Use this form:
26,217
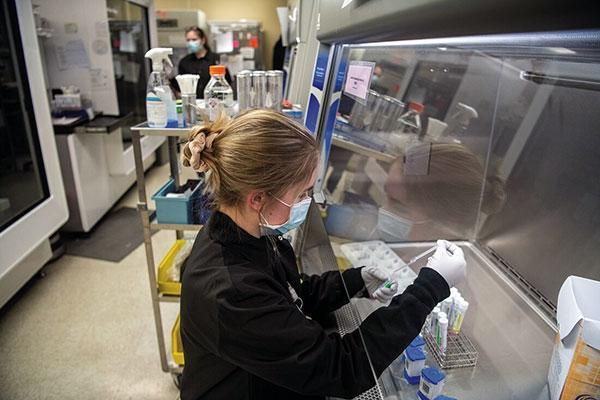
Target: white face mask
298,212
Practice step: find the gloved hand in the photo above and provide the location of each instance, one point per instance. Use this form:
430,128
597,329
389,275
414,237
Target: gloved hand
374,279
449,261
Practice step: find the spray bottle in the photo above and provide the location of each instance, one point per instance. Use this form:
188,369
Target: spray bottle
160,103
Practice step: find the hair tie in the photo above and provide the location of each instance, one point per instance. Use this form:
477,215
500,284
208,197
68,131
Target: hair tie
196,146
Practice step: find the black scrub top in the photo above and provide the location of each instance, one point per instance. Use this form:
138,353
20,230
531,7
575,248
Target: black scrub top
249,322
191,64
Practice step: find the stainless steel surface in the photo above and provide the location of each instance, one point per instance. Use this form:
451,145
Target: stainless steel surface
460,351
145,130
259,89
174,227
514,342
371,21
188,102
274,89
145,216
244,88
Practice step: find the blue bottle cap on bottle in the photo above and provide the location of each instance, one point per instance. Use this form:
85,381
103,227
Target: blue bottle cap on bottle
432,375
415,354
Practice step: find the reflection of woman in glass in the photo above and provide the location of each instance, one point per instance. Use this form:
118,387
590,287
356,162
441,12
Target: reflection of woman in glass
200,58
438,188
433,190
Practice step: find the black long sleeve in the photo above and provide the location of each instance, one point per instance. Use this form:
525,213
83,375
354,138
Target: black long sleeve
294,352
326,292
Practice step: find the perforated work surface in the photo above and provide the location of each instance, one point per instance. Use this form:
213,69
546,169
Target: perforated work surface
347,322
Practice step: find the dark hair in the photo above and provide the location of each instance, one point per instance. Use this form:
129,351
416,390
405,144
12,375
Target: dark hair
200,32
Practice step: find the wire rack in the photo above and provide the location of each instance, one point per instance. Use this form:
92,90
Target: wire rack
460,351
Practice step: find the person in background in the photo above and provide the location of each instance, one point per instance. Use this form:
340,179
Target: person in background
249,320
199,60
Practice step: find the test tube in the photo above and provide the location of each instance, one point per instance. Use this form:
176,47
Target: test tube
443,327
438,331
460,316
434,317
447,305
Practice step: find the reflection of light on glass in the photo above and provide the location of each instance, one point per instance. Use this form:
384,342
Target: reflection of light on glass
445,69
442,48
561,50
430,69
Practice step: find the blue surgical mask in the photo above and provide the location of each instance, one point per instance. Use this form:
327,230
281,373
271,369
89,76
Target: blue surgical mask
194,46
298,212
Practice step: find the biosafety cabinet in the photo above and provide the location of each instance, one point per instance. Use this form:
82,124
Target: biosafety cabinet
476,123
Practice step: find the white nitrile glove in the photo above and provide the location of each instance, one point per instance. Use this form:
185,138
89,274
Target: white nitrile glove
449,261
377,284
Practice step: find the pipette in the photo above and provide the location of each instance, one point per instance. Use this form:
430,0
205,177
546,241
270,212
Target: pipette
388,283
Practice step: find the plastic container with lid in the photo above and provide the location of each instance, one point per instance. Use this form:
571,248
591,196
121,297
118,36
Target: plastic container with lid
414,364
218,95
410,122
432,383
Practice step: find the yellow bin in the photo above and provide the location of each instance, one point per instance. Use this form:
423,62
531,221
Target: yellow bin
176,346
165,286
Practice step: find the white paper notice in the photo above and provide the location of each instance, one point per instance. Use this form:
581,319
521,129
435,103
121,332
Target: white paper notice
247,52
127,42
224,42
358,79
72,55
249,64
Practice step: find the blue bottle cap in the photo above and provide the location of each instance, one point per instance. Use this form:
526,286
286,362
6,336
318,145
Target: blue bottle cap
442,397
415,354
417,342
432,375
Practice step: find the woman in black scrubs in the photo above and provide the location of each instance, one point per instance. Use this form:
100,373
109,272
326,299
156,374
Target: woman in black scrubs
249,320
199,60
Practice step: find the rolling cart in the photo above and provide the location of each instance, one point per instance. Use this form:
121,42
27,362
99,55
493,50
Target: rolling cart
161,293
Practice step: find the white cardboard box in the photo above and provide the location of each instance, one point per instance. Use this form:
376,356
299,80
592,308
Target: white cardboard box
575,366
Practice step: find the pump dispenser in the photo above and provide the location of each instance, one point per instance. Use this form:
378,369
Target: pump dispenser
160,102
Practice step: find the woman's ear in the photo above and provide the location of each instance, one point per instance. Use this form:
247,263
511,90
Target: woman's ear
256,200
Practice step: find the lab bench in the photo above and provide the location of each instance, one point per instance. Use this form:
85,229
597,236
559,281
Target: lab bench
514,339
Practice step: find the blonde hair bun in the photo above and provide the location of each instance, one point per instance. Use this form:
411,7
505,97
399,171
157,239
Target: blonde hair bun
257,150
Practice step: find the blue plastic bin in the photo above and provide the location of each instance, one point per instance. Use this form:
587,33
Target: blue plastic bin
173,210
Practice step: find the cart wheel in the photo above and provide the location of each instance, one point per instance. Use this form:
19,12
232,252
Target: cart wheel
176,379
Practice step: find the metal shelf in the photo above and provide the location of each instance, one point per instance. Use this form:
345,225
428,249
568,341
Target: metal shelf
155,226
149,226
144,130
167,299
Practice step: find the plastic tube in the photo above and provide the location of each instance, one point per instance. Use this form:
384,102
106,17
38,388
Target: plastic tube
438,331
461,310
434,317
443,324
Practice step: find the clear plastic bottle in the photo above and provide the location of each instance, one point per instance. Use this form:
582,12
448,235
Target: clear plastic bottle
410,122
160,102
218,95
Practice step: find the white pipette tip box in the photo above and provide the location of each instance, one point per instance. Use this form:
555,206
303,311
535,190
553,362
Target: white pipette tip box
377,254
